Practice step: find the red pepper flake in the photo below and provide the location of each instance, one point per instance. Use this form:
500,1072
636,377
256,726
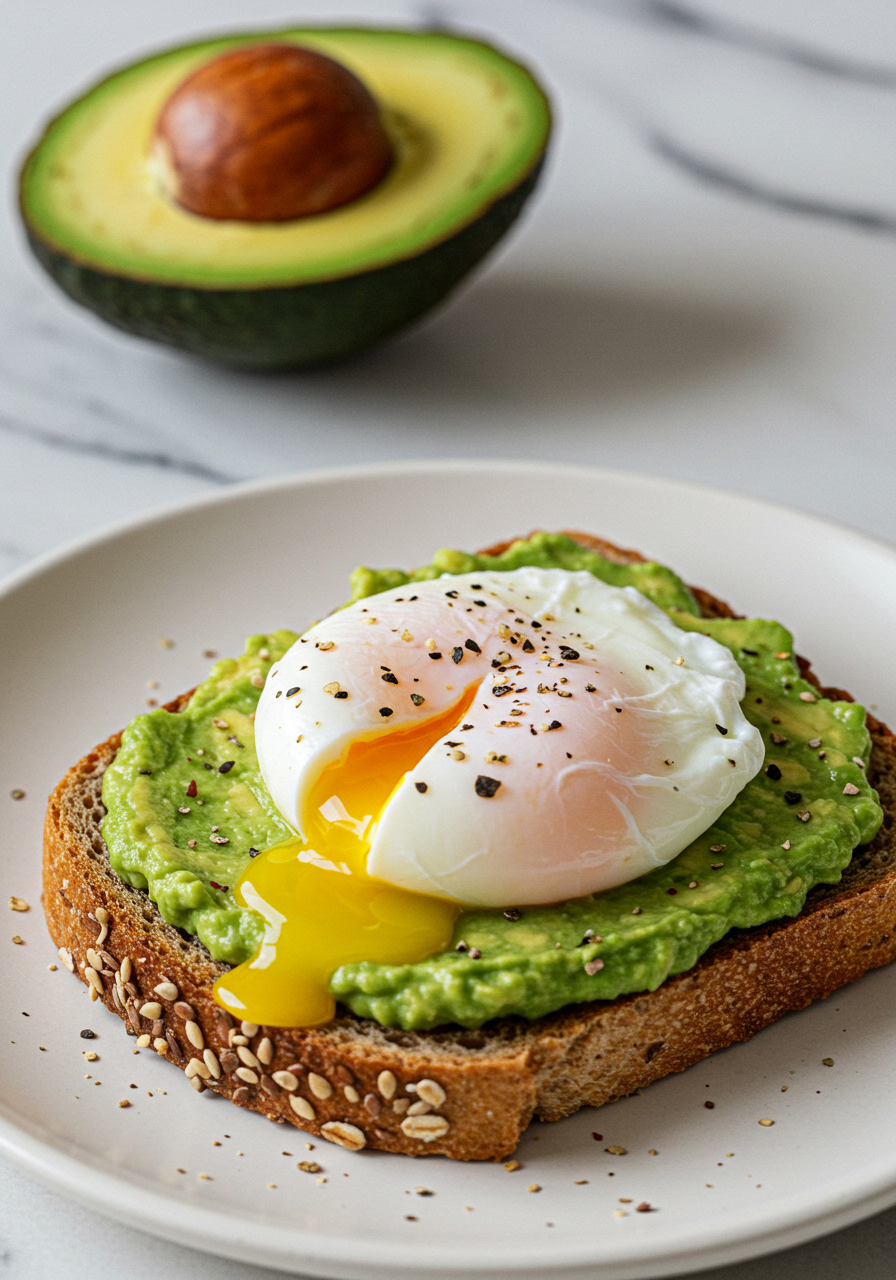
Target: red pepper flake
643,1207
214,885
191,789
671,892
598,1137
710,1106
486,787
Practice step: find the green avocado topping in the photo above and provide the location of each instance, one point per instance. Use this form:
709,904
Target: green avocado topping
793,826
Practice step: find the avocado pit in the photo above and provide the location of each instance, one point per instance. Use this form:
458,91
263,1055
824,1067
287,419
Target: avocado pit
268,133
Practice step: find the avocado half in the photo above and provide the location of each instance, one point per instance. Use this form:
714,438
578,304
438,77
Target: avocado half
469,128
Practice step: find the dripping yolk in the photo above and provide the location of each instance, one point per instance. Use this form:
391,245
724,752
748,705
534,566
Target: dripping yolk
320,907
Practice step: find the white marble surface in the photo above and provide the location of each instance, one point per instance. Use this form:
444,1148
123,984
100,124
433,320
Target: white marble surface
705,287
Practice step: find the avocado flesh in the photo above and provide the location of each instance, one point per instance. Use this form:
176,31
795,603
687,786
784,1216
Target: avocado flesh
756,863
469,129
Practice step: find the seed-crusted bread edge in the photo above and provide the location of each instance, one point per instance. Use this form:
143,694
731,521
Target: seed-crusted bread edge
464,1094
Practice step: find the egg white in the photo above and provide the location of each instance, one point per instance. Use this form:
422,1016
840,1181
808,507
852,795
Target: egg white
597,787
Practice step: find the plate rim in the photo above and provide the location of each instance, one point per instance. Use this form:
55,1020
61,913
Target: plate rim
203,1227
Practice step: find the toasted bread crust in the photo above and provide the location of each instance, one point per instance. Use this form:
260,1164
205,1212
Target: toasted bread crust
496,1079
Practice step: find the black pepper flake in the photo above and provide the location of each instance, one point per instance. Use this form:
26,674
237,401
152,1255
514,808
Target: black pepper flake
385,711
417,699
226,766
569,655
452,594
421,787
452,744
147,772
253,853
290,693
528,646
87,1034
472,646
479,603
341,693
486,787
773,772
754,653
210,767
191,789
778,739
555,724
389,678
513,914
722,730
465,727
792,797
457,654
435,655
476,586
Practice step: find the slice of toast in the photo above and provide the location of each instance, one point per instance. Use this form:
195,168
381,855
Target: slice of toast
454,1092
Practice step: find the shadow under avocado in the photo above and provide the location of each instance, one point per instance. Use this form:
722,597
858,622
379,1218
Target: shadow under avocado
549,344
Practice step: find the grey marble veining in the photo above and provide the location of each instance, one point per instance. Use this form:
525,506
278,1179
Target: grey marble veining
704,288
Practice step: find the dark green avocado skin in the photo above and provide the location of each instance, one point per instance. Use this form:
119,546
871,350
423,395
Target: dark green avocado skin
288,327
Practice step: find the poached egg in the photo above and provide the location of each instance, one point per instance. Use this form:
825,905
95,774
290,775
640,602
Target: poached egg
493,739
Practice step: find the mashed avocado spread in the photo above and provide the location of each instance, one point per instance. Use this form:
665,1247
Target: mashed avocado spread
188,809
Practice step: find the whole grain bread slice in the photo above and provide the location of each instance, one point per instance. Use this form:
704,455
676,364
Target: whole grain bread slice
464,1094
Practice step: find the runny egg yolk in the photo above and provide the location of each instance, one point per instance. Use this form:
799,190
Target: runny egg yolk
321,908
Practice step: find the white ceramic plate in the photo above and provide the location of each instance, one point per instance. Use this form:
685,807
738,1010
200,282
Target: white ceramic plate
79,640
